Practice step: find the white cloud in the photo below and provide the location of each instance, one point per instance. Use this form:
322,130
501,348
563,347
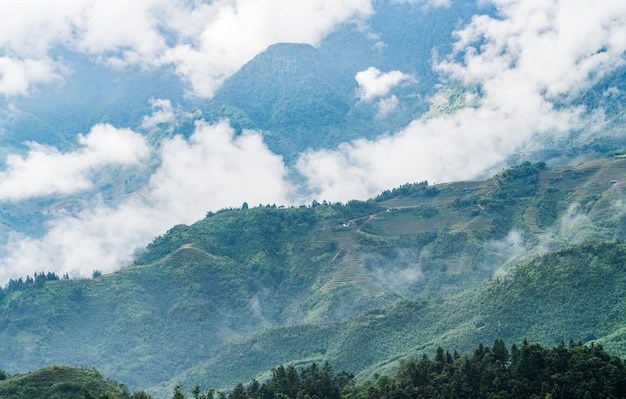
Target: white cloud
512,249
17,76
549,45
388,104
454,147
216,169
163,114
521,62
205,42
98,238
45,170
235,31
373,83
213,170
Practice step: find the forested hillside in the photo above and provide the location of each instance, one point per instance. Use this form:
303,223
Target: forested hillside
420,266
525,371
63,382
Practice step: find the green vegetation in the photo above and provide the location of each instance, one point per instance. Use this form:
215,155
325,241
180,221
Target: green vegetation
529,371
420,266
62,382
572,293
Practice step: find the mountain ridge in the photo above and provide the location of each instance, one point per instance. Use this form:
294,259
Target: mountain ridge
232,286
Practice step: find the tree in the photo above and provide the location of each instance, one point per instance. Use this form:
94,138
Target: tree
178,392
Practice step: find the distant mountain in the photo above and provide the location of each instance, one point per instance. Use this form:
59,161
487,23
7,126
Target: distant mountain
90,93
293,93
229,297
304,97
299,96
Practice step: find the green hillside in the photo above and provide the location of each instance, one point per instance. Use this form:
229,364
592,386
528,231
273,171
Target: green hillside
575,293
62,382
361,284
526,371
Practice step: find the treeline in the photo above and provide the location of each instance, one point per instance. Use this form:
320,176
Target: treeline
37,281
421,189
530,371
309,382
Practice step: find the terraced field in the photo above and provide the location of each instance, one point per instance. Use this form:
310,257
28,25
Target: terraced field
349,270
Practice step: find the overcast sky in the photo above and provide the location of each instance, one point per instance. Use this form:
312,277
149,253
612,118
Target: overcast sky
521,62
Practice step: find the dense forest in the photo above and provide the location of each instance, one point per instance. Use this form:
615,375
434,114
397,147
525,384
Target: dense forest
570,370
529,371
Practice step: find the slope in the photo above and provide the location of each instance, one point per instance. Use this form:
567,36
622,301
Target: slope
245,289
60,382
574,293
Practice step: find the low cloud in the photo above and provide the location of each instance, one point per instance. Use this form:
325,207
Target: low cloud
45,170
574,227
373,83
18,76
214,169
508,251
453,147
399,281
163,114
521,63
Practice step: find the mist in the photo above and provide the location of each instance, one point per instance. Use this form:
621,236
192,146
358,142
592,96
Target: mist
212,170
516,68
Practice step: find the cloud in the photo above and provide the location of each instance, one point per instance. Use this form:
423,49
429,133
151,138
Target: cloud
204,42
235,31
214,169
163,114
17,76
509,251
521,63
452,147
386,105
98,238
399,280
44,170
374,83
557,46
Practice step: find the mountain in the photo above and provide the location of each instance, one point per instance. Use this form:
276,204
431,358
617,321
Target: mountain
300,96
292,92
303,97
500,93
233,295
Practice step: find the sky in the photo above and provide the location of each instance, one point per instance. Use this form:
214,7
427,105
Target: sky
514,67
